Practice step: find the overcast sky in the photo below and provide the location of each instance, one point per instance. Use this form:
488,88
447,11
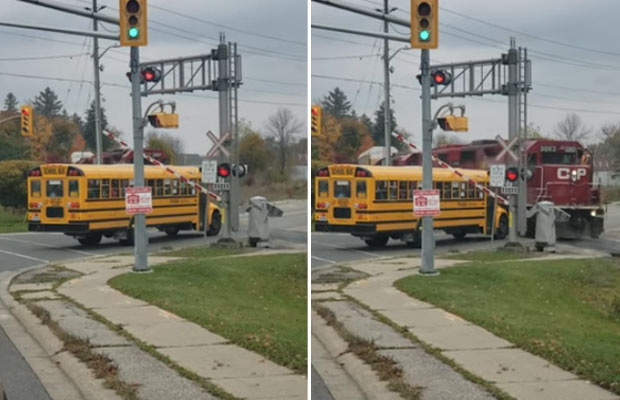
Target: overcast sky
274,70
591,88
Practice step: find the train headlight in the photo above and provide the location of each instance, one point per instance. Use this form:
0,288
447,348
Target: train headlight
573,175
593,213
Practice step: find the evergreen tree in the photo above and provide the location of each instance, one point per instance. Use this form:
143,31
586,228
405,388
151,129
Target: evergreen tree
378,129
336,103
47,103
90,131
10,103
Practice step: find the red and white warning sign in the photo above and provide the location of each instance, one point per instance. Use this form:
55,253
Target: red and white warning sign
426,202
138,200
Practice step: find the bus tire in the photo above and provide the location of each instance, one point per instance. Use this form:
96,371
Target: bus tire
172,231
502,228
91,239
216,224
459,235
128,240
377,241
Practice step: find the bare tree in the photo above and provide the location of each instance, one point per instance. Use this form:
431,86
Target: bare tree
283,125
572,128
445,138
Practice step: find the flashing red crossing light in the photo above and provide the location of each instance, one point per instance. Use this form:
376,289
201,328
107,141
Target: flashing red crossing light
223,170
512,174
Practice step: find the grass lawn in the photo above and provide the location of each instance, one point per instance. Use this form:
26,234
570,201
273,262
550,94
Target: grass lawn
10,222
257,302
490,255
567,311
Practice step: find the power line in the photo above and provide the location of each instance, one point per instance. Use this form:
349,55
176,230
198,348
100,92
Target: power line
345,57
43,57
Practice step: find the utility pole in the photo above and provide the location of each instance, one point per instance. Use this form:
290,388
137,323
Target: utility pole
98,115
513,129
224,99
140,237
387,120
428,240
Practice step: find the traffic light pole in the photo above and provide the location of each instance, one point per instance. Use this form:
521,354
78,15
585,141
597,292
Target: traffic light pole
224,107
513,131
140,238
428,240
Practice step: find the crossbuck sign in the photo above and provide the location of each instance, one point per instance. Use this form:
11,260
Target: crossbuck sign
507,148
218,145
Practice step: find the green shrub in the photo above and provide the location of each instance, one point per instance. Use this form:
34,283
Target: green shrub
13,176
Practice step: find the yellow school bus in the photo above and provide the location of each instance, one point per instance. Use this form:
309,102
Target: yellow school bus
375,203
88,201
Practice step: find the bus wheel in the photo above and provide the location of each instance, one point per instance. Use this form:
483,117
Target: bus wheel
172,231
377,241
90,240
216,224
127,240
502,228
459,235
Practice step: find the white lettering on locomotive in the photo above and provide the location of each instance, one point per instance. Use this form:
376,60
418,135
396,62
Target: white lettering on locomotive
564,173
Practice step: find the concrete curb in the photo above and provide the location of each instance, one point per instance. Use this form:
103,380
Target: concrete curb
70,372
361,374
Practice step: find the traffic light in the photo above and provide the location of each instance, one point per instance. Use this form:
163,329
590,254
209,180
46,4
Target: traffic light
424,21
512,174
315,114
27,120
164,120
453,123
240,170
148,74
438,77
133,22
223,170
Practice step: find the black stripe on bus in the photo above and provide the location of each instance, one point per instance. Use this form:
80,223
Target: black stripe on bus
399,221
411,201
153,197
411,210
90,221
123,208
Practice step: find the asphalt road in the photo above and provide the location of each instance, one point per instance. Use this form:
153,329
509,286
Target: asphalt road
22,250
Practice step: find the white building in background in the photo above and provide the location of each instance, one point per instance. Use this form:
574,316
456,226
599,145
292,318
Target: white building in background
606,173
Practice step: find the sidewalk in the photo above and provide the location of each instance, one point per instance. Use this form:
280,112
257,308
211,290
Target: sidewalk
515,372
228,370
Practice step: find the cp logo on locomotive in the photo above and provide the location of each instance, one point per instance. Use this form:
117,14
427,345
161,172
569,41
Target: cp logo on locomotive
564,173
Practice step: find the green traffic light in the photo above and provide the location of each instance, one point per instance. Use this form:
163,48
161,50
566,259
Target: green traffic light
134,32
424,35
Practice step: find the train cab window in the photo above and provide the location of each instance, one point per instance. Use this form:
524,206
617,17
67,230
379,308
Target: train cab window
35,188
93,188
402,190
532,160
468,157
342,189
167,187
381,190
324,188
559,158
74,188
393,192
360,189
54,188
105,188
159,187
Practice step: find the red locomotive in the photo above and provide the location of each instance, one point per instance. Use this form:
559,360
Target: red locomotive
559,171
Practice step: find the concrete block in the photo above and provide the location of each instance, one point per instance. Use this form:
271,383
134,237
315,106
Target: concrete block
459,337
271,387
101,297
174,334
322,287
385,297
19,287
565,390
425,318
46,294
326,296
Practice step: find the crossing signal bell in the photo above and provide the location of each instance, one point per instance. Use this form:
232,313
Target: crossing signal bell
239,170
424,22
27,121
133,22
453,123
512,174
315,123
164,120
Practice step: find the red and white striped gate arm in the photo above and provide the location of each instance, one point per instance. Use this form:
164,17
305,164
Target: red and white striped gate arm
443,164
204,190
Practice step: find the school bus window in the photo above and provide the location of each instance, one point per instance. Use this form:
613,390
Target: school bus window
323,188
54,188
105,188
481,193
35,188
182,188
342,189
124,184
447,193
402,190
167,187
413,185
360,189
463,190
93,188
471,192
114,188
193,188
175,187
159,187
455,190
393,190
381,190
74,188
439,186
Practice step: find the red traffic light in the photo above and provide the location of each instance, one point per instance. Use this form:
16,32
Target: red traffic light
314,111
25,111
512,174
439,78
223,170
